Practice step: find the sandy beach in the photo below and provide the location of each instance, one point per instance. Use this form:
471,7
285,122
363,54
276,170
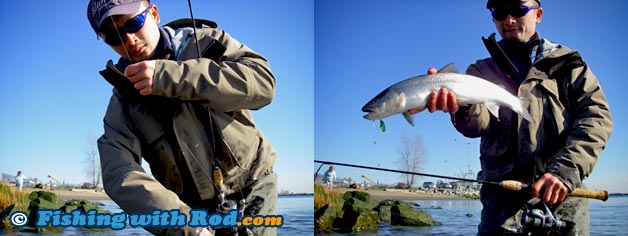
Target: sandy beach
403,194
77,194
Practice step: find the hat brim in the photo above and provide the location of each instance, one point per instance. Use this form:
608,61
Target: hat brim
125,9
491,3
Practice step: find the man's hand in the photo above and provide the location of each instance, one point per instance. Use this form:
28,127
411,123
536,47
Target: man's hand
442,100
141,75
549,189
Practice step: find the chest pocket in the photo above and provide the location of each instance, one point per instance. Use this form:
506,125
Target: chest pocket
558,89
556,116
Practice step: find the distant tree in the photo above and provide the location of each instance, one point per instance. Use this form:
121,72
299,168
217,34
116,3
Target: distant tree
92,162
411,154
465,174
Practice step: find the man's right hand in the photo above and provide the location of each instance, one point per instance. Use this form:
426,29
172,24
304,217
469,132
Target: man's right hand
442,100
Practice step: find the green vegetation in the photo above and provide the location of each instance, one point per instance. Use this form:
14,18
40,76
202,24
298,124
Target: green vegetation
324,197
356,211
9,196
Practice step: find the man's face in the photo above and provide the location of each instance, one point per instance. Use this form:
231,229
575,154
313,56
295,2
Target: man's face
140,45
517,28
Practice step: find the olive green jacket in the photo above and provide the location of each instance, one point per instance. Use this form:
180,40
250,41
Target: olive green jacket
570,125
197,117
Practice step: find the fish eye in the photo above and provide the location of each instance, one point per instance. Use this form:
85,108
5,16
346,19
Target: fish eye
372,103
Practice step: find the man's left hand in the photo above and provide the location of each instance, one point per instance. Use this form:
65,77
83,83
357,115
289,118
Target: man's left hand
550,189
141,75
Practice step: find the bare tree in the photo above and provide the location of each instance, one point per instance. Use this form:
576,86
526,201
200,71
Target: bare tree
92,162
411,156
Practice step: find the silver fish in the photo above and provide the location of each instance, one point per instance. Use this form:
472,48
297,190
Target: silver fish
413,93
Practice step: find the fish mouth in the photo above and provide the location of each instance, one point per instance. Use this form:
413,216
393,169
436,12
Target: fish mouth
371,113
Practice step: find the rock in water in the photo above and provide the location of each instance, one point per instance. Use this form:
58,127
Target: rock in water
357,216
324,219
403,215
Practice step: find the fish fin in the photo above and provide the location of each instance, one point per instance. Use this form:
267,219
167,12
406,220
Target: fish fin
408,117
493,108
525,102
451,68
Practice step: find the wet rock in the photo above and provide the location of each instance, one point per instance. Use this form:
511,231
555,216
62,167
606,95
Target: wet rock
41,200
386,202
403,215
357,216
47,196
383,211
362,196
384,207
324,219
83,206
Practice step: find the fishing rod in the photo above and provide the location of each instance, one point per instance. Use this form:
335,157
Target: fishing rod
506,184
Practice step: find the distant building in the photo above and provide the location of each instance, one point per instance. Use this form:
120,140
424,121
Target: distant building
462,184
8,178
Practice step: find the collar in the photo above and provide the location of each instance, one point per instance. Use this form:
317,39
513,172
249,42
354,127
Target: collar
525,48
164,47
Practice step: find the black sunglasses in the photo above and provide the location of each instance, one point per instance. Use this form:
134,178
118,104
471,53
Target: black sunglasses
500,14
114,37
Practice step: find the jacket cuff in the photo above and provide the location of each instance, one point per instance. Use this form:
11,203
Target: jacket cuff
570,176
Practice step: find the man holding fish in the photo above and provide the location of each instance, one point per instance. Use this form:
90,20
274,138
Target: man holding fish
552,137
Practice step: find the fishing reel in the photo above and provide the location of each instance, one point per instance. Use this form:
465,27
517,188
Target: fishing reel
540,221
225,205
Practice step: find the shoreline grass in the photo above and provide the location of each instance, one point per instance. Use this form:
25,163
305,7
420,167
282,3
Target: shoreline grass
323,196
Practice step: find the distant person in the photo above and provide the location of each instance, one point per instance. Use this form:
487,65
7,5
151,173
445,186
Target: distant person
329,177
19,180
554,151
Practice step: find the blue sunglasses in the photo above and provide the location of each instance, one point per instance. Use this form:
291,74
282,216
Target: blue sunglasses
114,37
500,14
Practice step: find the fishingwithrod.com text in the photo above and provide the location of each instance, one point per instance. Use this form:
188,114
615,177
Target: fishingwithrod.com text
157,218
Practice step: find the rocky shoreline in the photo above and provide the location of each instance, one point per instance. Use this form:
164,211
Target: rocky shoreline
418,194
360,212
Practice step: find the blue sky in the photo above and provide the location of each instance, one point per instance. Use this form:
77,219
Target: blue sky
329,58
53,97
362,47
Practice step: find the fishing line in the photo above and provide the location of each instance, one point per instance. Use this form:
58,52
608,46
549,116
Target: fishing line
115,26
211,124
199,164
373,129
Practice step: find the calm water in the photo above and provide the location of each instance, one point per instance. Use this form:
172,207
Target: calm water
461,217
298,213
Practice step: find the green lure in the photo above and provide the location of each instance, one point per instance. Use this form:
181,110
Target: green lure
382,126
